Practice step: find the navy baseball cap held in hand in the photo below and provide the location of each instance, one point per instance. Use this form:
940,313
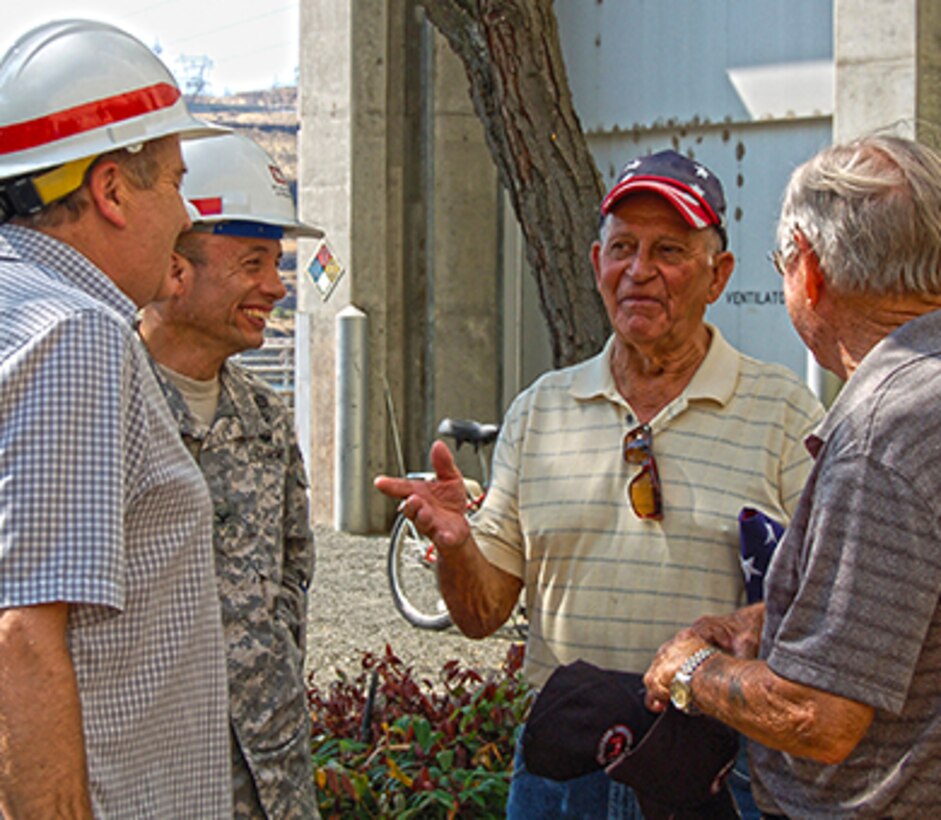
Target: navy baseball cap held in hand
586,718
689,186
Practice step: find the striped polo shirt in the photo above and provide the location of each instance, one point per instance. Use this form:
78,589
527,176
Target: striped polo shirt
602,584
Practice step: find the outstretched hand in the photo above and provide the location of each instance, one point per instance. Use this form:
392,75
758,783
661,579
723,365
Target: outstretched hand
438,508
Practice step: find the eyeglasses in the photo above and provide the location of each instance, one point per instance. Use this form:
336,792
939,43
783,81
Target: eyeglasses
779,260
644,490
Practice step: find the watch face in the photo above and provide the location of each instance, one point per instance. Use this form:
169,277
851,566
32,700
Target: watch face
680,695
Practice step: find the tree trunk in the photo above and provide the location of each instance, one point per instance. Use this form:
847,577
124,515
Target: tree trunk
511,53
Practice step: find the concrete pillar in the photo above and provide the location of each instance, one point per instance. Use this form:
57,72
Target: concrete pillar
346,184
393,164
888,67
466,359
874,51
325,150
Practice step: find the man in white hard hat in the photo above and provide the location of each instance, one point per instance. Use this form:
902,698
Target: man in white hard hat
112,680
223,285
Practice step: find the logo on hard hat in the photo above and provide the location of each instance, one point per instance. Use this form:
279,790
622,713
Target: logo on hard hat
276,175
281,186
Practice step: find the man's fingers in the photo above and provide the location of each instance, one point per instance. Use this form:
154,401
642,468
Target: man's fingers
393,487
442,462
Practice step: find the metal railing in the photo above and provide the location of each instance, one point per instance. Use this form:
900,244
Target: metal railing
274,363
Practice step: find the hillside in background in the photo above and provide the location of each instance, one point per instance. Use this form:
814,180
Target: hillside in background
270,118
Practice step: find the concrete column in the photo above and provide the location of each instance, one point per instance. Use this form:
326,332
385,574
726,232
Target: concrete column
393,164
346,185
466,360
928,73
874,51
325,151
888,67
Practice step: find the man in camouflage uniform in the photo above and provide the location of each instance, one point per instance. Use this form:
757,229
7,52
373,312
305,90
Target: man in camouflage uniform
223,285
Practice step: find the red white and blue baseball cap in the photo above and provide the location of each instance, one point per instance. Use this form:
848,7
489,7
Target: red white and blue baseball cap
689,186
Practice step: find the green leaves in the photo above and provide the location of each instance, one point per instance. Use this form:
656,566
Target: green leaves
435,749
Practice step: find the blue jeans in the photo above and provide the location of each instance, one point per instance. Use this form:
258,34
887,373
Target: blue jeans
593,796
740,784
596,795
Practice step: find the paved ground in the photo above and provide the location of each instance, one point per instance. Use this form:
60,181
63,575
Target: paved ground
351,611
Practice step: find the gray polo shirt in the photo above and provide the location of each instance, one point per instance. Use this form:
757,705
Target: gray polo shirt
852,595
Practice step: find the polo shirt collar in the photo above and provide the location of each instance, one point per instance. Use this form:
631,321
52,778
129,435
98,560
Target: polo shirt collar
714,380
916,338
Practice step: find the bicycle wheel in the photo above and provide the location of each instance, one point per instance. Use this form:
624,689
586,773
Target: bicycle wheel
413,579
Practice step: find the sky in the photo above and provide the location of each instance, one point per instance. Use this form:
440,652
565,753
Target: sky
253,45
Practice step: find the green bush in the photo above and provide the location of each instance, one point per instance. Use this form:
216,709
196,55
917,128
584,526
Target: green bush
387,745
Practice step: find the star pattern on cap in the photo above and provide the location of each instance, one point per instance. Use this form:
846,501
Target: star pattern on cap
702,172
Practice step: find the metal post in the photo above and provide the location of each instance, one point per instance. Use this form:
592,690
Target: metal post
350,505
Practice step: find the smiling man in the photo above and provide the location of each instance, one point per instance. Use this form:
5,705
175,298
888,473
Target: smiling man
617,482
223,285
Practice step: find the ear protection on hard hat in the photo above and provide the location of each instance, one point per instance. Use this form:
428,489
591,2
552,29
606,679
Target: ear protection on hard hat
70,91
239,190
28,195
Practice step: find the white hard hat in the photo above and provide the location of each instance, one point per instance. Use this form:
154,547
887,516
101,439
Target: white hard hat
237,188
74,89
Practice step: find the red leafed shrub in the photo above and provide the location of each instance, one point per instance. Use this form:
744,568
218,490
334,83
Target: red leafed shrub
388,745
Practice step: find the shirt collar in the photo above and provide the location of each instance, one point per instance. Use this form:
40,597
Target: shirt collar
240,401
916,338
236,401
714,379
62,262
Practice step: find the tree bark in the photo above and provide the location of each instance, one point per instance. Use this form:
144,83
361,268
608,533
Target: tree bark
511,53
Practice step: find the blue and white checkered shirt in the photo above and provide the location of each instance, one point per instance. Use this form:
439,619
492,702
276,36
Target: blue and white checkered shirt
101,506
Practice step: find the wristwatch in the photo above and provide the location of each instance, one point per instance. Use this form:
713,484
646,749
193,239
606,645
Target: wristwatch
681,690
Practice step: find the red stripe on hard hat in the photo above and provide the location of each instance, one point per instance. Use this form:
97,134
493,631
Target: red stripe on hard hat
209,206
22,136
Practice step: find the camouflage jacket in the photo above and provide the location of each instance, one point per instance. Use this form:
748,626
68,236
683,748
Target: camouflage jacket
264,555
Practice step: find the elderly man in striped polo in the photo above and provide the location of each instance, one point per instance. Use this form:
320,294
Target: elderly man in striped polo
617,482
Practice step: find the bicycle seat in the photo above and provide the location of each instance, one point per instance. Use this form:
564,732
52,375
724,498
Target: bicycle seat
465,430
